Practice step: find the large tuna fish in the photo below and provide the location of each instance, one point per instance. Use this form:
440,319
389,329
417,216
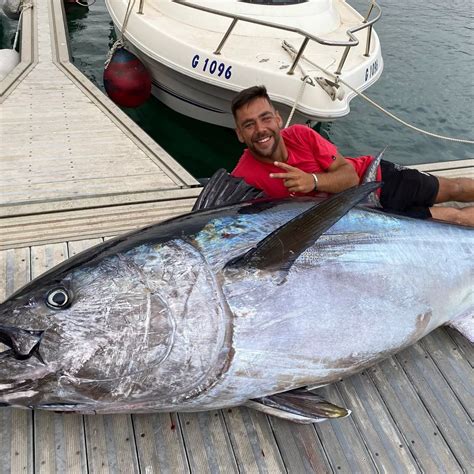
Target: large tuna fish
244,304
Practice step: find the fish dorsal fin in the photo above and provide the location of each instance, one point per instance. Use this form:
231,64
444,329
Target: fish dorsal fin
284,245
299,406
222,189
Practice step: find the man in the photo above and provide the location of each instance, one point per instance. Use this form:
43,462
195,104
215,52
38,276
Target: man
297,160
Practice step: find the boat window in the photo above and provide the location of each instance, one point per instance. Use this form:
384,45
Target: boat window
274,2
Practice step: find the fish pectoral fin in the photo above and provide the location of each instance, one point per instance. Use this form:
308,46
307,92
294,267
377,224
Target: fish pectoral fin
224,189
284,245
299,406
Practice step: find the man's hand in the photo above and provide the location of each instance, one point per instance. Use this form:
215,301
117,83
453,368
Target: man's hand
339,176
294,179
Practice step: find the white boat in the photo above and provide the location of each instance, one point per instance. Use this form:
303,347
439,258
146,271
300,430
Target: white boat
202,52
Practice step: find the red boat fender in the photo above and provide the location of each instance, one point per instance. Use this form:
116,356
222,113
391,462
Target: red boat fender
126,79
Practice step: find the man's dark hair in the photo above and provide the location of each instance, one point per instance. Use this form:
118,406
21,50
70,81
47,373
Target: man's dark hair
246,96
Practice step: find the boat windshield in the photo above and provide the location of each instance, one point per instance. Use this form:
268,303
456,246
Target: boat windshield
274,2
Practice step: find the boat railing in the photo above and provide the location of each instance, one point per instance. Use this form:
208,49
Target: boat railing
353,41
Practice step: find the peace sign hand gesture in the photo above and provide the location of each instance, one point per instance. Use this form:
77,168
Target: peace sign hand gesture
296,180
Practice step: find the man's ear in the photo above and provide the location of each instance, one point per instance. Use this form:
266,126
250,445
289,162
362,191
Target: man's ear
239,135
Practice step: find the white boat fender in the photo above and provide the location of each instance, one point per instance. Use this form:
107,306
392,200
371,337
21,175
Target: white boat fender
11,8
9,58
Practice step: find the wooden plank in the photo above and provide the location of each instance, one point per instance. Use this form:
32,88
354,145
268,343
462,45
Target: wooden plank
253,441
444,165
59,443
160,443
300,447
111,444
67,169
463,345
56,227
159,198
431,452
74,187
16,441
60,148
384,442
442,404
454,367
207,442
47,256
97,446
342,442
112,214
14,270
77,247
456,173
16,426
13,165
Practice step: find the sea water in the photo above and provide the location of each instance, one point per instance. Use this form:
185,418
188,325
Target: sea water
428,81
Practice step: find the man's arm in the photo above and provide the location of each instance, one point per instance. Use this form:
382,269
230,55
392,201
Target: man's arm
339,176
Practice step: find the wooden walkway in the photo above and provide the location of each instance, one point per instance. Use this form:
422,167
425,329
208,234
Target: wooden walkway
65,187
70,159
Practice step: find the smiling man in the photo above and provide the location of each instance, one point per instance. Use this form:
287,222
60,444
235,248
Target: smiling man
297,161
282,162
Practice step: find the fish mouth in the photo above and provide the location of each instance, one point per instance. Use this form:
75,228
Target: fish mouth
22,343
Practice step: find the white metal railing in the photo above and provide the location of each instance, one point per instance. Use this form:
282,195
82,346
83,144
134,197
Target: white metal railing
353,41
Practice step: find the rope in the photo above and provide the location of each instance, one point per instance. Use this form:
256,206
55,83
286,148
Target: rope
120,42
377,106
17,33
24,6
86,4
305,80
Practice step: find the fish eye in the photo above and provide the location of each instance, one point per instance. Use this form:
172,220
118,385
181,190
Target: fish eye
58,298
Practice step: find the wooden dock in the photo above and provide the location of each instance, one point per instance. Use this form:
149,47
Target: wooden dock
72,163
70,178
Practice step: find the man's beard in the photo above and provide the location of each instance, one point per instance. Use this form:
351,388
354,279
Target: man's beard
266,153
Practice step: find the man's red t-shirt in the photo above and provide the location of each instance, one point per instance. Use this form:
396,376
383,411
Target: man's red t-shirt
307,150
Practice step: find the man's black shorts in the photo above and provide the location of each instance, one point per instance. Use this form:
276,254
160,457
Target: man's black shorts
408,191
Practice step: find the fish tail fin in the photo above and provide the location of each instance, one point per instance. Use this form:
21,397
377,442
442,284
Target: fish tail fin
465,325
299,406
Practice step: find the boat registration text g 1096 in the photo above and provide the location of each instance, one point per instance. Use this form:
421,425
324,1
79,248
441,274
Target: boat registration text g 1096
211,66
371,70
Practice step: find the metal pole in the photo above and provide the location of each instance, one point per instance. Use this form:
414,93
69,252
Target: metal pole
298,56
368,14
140,8
343,60
224,39
369,37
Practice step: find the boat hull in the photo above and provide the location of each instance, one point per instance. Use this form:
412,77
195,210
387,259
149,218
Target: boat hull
201,100
179,47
